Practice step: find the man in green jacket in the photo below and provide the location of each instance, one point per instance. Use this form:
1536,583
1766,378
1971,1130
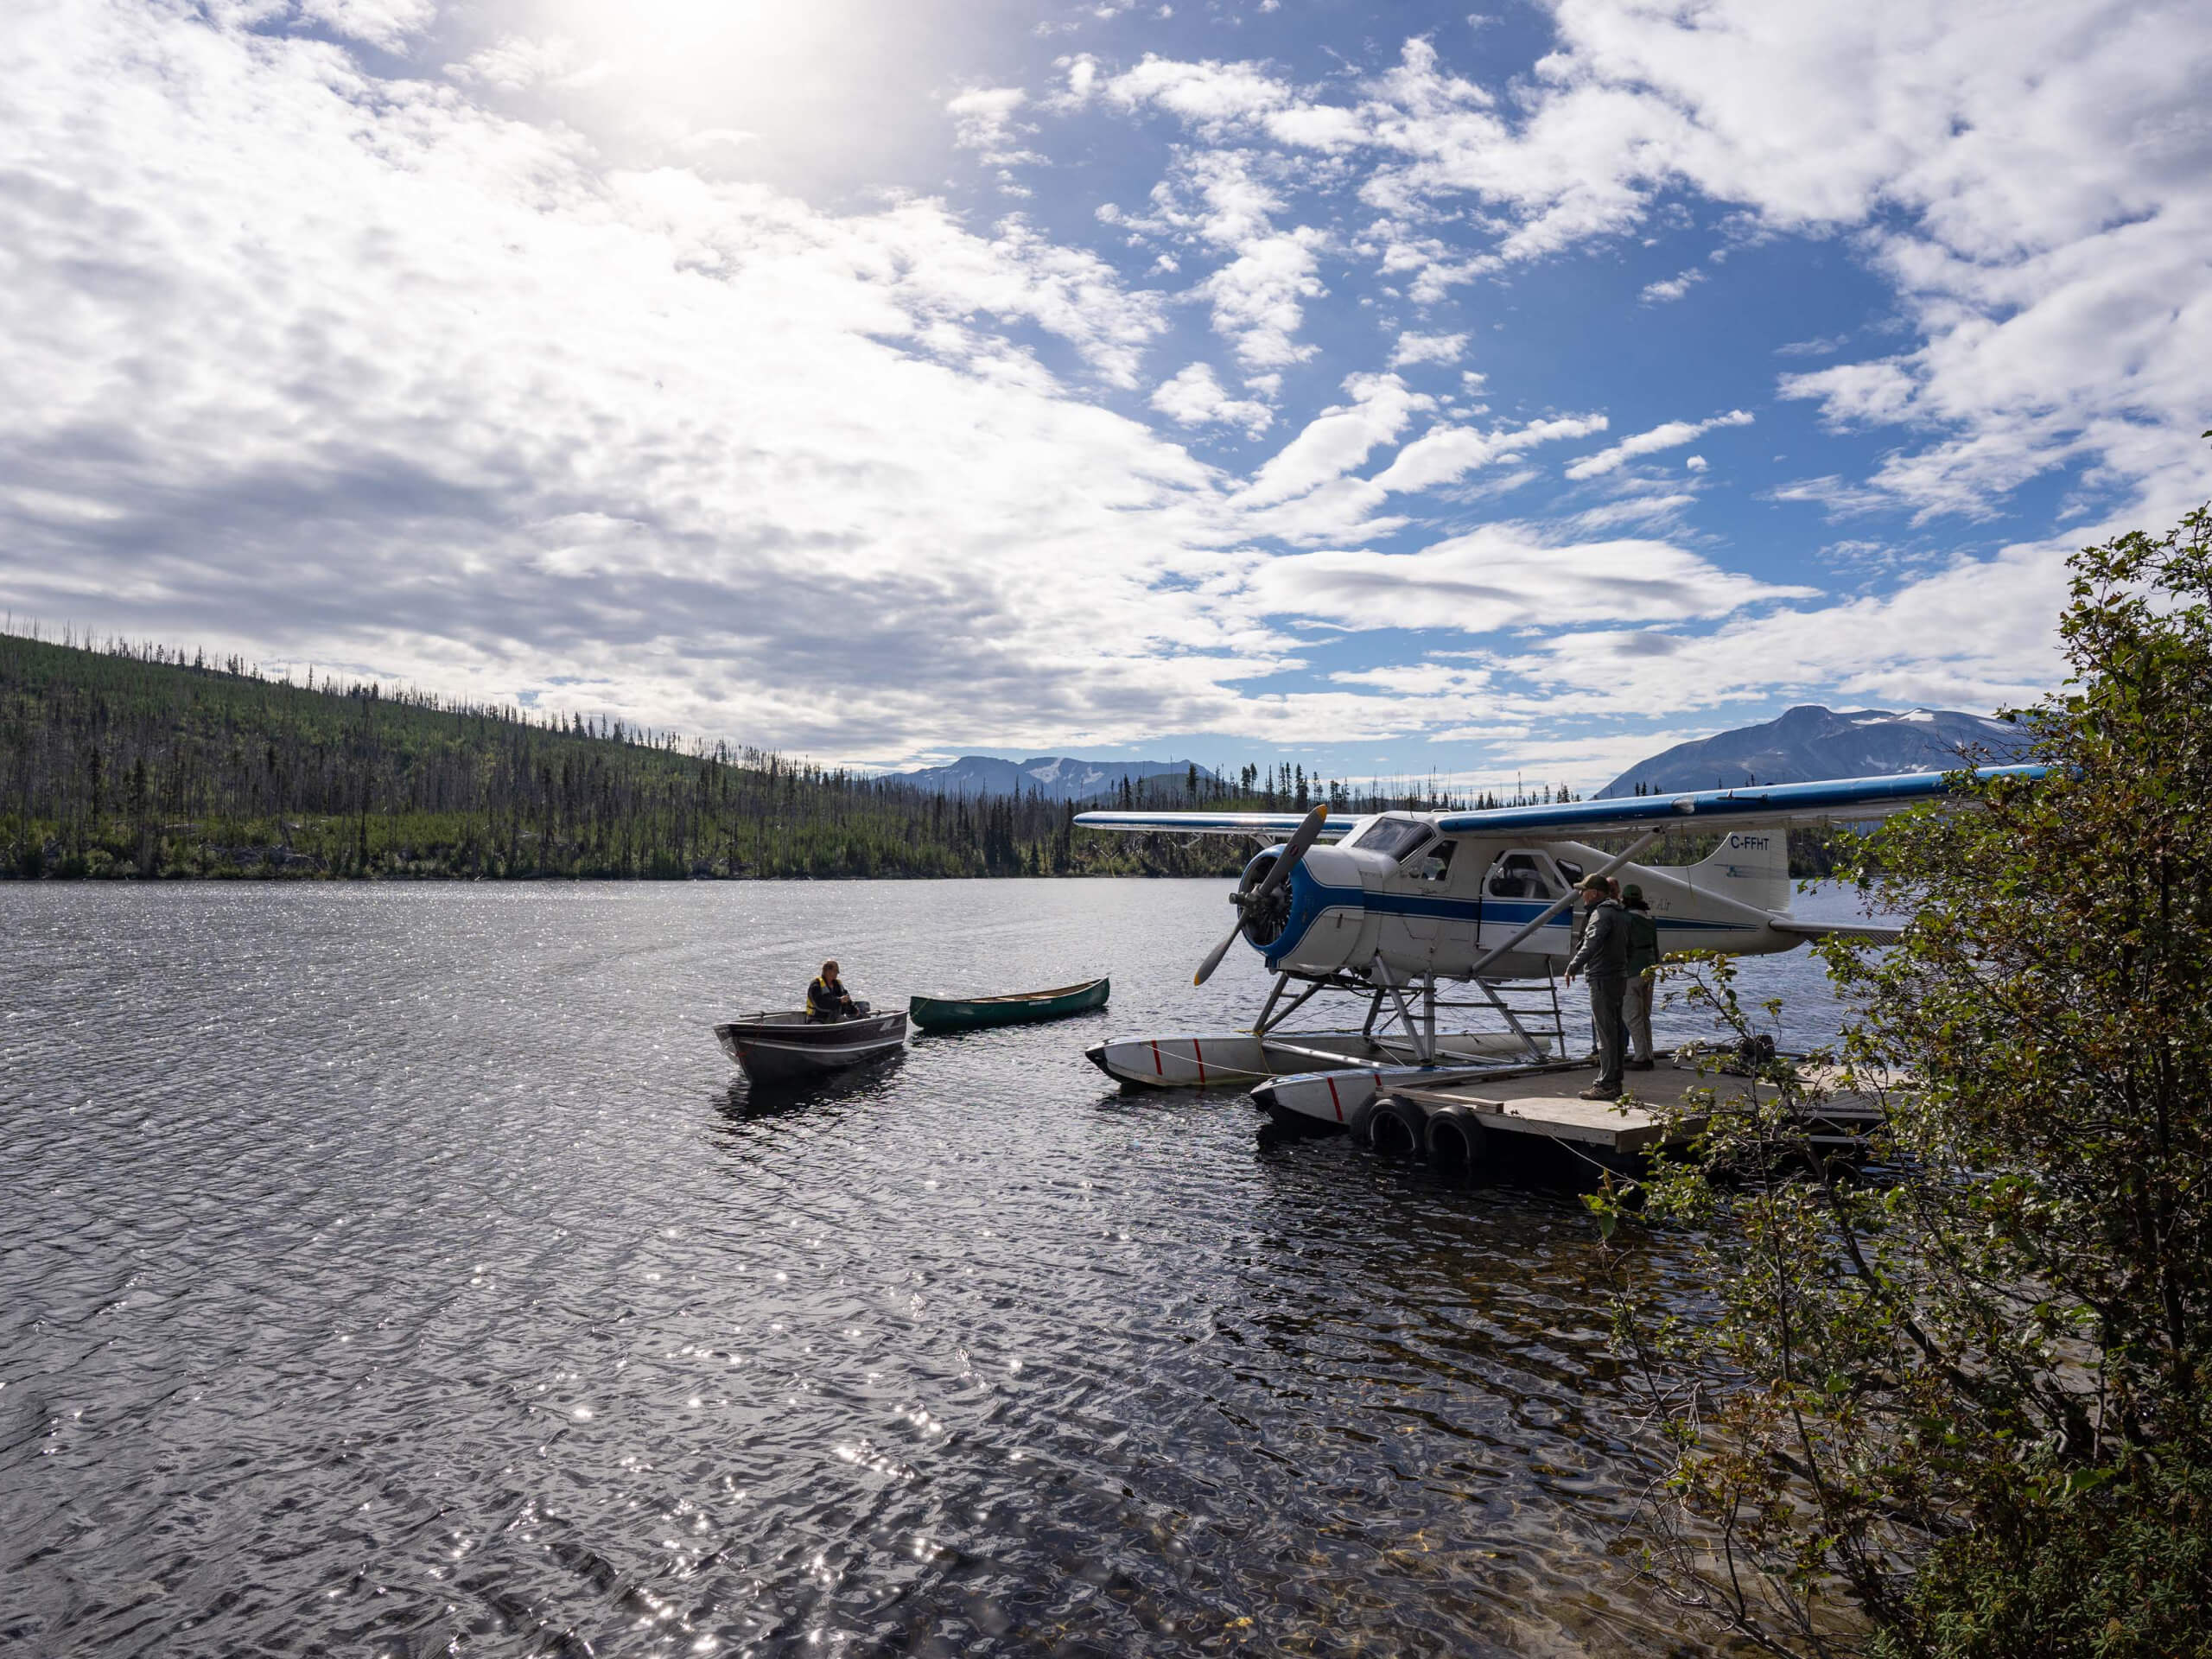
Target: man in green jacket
1603,955
1643,976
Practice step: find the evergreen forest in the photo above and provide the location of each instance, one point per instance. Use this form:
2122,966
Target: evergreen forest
129,759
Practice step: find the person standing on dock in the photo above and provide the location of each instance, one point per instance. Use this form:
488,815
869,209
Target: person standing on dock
827,997
1603,955
1643,976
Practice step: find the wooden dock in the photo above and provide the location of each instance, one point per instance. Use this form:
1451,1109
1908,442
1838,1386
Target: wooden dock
1547,1104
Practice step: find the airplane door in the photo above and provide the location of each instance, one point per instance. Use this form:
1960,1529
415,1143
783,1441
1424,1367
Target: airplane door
1521,885
1424,878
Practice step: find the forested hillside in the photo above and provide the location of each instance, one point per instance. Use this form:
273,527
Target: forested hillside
135,760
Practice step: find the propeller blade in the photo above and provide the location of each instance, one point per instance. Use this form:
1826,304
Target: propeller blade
1214,955
1300,842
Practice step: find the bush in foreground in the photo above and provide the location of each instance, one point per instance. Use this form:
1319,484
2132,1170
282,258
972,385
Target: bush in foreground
1958,1406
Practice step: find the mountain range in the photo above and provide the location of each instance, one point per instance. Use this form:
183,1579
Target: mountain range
1054,776
1811,742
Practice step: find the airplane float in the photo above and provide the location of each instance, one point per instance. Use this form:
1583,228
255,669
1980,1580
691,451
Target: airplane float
1399,904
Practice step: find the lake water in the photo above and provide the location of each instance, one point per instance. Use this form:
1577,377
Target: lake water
401,1270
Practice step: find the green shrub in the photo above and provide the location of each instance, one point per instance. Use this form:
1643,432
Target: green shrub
2123,1571
1957,1409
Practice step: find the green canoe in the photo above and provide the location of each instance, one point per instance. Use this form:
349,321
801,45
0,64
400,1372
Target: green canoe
973,1013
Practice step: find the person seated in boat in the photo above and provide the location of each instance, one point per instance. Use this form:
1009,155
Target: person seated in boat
827,997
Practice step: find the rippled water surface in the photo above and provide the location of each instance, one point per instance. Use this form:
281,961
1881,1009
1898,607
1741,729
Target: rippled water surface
402,1269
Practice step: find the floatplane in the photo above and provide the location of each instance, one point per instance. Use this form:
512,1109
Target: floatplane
1394,909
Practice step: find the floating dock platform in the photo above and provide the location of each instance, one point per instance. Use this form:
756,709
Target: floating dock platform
1449,1119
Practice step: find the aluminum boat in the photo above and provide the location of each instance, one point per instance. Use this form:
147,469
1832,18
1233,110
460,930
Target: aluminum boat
783,1047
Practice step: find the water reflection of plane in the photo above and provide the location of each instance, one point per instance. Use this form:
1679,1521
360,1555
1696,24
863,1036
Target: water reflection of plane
1405,903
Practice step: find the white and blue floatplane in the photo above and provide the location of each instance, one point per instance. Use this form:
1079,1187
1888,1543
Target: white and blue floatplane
1394,907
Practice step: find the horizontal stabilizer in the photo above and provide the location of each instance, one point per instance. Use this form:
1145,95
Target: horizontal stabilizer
1872,932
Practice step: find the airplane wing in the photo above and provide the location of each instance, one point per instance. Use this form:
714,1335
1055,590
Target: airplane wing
1280,826
1837,800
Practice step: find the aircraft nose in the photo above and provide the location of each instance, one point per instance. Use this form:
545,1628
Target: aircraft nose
1265,920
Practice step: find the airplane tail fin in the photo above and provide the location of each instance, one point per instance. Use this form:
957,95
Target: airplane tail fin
1751,866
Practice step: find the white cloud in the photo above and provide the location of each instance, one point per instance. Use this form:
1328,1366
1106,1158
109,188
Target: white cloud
1647,509
1222,201
1446,454
1428,348
1694,464
386,23
1672,288
1975,636
1672,434
1504,576
1834,493
1306,496
1337,440
1194,398
710,142
1209,97
517,63
1259,296
1081,71
1433,265
1853,394
1221,100
983,119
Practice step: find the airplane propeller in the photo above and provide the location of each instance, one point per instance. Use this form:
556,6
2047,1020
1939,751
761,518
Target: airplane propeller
1300,842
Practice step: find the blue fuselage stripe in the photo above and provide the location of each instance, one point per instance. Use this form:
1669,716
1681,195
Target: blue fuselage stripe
1310,899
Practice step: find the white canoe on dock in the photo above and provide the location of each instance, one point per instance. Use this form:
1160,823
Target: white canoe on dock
1326,1075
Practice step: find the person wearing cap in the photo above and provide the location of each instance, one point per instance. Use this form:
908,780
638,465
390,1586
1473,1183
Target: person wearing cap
827,997
1643,975
1603,955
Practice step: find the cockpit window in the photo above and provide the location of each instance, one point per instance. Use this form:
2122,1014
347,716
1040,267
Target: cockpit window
1520,875
1392,837
1432,863
1571,872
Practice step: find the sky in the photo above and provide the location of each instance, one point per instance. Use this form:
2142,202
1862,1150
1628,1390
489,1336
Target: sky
1385,387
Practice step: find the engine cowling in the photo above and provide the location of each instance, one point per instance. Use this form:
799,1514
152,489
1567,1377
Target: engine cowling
1264,922
1315,921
